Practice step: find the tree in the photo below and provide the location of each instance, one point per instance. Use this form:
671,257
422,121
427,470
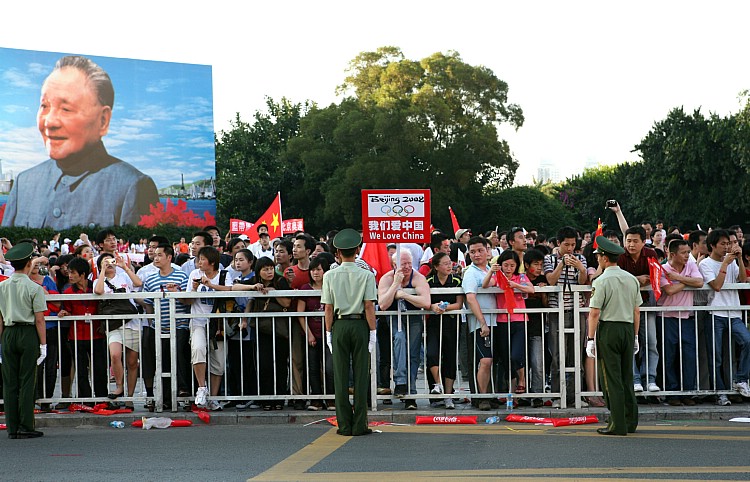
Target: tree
250,165
407,124
522,206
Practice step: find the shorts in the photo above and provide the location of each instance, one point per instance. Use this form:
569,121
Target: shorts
199,349
131,338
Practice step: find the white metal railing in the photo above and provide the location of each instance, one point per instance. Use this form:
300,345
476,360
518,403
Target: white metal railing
279,375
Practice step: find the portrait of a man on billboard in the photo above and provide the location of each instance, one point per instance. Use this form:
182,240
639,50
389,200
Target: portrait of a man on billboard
82,183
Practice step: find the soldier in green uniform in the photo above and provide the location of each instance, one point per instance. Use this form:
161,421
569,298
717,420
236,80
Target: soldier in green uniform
23,342
349,295
614,318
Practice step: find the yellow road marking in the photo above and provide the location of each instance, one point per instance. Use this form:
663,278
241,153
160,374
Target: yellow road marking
296,466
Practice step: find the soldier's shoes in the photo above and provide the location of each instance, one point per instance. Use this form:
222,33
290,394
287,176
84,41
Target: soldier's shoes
20,435
607,431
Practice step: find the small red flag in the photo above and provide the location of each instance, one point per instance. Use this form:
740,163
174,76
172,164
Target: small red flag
654,273
456,226
599,231
271,218
510,296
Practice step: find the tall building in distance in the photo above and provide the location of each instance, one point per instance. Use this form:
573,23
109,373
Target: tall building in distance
547,172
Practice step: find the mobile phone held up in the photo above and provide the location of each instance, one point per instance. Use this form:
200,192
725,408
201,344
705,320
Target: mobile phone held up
611,203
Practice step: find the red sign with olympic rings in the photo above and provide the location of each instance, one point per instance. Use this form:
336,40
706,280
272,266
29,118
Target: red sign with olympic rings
396,215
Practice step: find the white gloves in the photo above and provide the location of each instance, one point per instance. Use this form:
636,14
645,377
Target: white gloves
373,340
637,347
591,348
329,342
1,354
42,354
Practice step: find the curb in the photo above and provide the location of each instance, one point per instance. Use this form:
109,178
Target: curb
299,417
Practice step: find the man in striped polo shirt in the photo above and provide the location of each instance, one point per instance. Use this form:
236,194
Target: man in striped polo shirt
172,280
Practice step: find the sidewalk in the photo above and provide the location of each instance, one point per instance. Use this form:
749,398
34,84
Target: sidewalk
392,413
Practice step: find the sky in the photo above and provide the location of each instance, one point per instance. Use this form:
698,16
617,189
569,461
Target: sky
162,119
591,77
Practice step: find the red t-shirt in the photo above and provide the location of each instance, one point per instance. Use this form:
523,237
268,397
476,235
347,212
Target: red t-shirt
80,330
301,277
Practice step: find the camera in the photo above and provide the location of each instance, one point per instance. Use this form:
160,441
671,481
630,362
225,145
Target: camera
611,203
43,270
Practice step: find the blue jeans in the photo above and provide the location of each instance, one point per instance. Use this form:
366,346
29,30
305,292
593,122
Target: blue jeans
680,341
411,327
738,334
648,352
536,362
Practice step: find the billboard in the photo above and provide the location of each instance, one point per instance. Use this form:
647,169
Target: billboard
101,141
396,215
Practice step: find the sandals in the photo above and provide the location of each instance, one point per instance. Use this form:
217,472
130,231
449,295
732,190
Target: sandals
520,389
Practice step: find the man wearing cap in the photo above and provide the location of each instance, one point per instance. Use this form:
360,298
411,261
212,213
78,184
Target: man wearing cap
349,296
23,341
614,318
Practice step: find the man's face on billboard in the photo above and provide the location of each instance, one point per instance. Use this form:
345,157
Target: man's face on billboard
70,117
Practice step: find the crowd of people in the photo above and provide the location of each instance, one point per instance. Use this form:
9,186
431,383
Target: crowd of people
511,351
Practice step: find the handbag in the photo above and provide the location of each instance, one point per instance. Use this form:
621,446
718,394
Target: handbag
116,307
269,325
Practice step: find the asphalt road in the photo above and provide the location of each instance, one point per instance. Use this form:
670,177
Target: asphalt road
678,450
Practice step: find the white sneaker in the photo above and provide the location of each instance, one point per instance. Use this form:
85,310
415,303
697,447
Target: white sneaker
437,389
213,405
200,396
653,387
723,401
743,389
449,404
637,387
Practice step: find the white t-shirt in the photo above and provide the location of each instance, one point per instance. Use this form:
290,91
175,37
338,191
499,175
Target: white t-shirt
204,306
710,271
122,280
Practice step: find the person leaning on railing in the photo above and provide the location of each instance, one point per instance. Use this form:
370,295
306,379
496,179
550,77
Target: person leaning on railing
442,334
273,348
129,336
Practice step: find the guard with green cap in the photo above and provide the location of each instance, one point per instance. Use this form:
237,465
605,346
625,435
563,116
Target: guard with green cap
23,342
349,294
614,318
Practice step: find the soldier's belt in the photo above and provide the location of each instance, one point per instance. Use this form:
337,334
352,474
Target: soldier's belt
357,316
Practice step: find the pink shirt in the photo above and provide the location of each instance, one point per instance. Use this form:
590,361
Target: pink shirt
519,297
684,297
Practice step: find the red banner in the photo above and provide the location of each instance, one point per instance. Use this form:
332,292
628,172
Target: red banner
289,226
454,220
451,420
396,215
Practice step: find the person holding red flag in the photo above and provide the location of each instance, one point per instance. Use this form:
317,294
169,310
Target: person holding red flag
504,274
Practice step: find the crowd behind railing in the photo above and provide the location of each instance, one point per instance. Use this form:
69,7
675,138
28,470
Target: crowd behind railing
466,320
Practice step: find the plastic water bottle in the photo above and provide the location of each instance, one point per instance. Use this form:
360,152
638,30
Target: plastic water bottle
156,422
509,402
443,305
493,419
117,424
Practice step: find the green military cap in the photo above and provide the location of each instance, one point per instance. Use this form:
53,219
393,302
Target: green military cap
605,246
347,239
19,252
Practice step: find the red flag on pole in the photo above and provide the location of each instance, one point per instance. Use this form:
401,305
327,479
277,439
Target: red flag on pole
599,231
271,218
456,226
376,255
510,296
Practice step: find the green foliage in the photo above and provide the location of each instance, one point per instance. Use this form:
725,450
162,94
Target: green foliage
522,206
250,167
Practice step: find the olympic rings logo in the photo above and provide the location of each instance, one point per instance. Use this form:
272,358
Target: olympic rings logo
397,211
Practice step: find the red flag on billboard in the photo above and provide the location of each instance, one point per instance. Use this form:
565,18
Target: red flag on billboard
376,255
599,231
456,226
654,273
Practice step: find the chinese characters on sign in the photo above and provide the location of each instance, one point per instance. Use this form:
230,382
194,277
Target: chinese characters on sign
290,226
396,216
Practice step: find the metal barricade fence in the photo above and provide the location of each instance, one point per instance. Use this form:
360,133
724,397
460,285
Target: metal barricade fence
268,364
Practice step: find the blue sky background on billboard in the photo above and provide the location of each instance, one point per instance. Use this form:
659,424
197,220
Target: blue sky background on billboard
592,77
162,120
